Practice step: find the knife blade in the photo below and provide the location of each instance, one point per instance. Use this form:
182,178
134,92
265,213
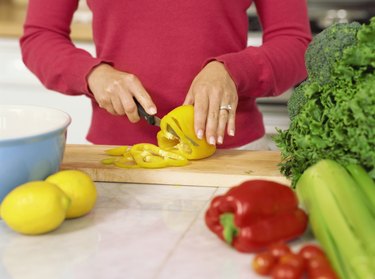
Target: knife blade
151,119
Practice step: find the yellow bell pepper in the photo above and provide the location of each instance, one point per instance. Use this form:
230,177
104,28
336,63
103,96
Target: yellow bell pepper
177,134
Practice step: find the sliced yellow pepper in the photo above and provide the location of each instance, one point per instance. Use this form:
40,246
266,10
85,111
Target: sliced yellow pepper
148,155
108,161
118,151
177,135
125,163
122,157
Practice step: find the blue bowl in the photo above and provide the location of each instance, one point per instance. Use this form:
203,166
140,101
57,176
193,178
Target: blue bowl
32,144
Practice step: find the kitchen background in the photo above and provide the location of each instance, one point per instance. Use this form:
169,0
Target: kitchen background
19,86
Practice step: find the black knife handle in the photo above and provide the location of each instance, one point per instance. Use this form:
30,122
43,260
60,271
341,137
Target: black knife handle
143,114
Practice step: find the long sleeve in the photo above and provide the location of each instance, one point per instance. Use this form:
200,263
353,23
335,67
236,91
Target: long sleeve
48,51
278,64
165,43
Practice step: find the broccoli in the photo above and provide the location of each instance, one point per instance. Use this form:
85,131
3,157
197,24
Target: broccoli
327,48
334,118
321,55
298,97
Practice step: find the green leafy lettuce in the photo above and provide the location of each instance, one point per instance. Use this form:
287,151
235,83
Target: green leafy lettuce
333,112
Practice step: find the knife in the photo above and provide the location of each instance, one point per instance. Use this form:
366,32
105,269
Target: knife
151,119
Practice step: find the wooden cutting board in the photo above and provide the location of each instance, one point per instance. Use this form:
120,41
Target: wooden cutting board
225,168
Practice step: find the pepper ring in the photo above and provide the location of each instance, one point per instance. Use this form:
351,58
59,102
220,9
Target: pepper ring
226,107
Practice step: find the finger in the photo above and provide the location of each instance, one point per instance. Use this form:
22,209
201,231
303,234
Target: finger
122,100
140,93
200,116
212,120
117,104
223,119
231,124
130,107
223,116
107,105
147,103
104,98
189,99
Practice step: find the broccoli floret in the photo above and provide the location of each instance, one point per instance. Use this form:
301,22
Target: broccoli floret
335,119
299,97
327,48
296,100
322,56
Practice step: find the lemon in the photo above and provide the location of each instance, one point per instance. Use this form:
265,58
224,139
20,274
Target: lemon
80,189
35,207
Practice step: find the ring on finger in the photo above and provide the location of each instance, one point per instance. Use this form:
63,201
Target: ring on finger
227,107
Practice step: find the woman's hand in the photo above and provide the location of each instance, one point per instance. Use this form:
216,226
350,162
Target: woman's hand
214,95
114,91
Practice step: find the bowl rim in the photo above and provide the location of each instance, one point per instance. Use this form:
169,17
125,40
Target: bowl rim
46,133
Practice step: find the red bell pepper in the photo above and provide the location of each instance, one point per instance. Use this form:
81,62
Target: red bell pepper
255,214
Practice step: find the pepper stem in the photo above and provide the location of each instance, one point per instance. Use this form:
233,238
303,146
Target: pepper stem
229,228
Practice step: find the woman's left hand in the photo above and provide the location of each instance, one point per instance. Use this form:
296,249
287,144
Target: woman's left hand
214,96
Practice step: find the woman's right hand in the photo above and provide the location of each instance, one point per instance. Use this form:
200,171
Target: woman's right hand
114,91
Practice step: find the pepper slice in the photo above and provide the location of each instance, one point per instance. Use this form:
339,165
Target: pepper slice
118,151
121,157
148,155
125,162
255,214
177,134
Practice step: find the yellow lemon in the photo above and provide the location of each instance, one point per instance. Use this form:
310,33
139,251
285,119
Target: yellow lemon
35,207
80,189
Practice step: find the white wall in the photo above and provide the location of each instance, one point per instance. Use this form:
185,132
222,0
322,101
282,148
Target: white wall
19,86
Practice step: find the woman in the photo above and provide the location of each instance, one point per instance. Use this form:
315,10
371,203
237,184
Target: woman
168,53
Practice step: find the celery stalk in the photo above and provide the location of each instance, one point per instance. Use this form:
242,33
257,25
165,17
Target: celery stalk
321,231
350,200
330,194
365,183
323,234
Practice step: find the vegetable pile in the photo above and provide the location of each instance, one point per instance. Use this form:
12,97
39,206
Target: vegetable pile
328,152
332,112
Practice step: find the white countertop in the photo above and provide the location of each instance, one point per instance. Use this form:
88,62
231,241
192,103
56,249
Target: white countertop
135,231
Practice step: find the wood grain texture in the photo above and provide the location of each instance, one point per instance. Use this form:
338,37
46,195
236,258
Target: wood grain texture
225,168
12,18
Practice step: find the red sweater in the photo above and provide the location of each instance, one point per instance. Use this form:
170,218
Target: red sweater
165,44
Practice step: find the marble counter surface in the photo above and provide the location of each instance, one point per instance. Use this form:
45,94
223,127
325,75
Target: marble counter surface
136,231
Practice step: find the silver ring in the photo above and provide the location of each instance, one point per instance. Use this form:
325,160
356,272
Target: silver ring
226,107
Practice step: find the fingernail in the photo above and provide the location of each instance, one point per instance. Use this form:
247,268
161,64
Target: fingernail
152,110
200,134
220,140
231,133
212,140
